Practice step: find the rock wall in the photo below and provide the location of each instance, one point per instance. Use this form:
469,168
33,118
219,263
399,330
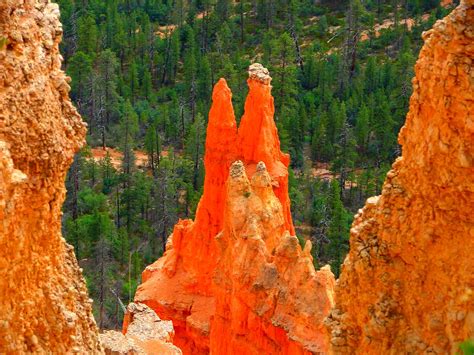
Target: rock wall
44,304
195,284
407,285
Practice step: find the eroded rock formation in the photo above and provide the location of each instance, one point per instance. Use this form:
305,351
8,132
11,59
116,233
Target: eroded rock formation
44,305
143,333
178,285
254,290
407,285
269,298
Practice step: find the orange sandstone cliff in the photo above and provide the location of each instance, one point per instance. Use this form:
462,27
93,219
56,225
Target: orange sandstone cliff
235,279
44,306
407,285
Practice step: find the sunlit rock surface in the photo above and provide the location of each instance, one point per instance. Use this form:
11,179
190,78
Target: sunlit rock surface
44,306
224,292
269,298
407,285
144,333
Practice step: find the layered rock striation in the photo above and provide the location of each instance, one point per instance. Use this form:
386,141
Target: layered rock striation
407,285
230,289
44,305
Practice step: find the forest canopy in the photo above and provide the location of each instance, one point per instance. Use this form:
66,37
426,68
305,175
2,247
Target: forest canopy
142,76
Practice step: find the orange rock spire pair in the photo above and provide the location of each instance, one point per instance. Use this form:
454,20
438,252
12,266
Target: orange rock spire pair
198,284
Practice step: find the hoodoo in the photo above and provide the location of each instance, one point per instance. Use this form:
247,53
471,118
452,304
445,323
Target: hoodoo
407,285
178,285
220,300
269,298
44,304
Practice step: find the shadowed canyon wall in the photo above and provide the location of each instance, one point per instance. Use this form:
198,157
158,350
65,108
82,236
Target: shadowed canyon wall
407,285
44,306
236,279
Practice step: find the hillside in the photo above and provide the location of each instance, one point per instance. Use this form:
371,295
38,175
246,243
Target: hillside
142,74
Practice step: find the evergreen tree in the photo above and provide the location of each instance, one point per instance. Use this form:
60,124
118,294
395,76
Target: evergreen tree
88,35
195,147
362,129
80,70
338,232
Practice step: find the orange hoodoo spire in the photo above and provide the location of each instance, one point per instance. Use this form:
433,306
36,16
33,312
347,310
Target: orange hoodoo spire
186,284
221,151
258,137
178,285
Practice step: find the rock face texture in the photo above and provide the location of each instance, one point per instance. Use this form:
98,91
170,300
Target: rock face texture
144,333
44,305
269,298
236,279
407,285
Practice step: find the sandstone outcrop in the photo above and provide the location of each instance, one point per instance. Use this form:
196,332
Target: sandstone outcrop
44,305
221,301
269,298
407,285
178,286
144,333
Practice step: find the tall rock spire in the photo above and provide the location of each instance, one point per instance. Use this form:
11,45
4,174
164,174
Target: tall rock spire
221,151
179,286
258,137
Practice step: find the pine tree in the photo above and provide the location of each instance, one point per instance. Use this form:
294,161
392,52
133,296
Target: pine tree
80,70
165,198
345,155
107,66
204,80
285,71
322,148
133,81
223,8
153,145
362,129
195,147
338,232
88,35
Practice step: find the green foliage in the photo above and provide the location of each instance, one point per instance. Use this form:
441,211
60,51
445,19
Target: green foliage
467,347
142,75
338,232
3,42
